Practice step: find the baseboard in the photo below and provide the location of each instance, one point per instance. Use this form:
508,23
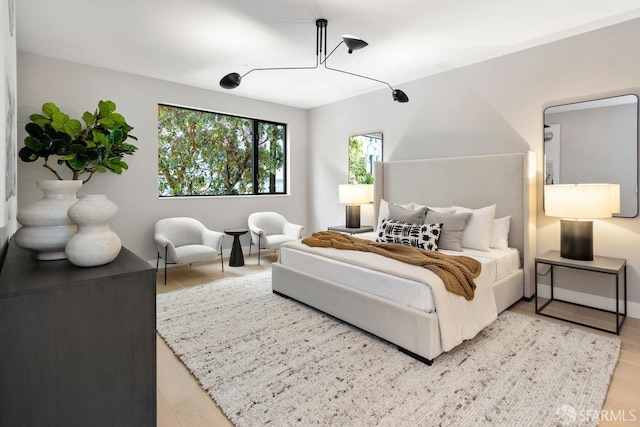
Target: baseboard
596,301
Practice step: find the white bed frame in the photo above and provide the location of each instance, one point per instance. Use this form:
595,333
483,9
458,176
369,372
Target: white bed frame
473,182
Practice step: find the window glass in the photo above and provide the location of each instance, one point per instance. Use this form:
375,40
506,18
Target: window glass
201,153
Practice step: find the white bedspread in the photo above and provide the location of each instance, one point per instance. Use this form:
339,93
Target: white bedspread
458,318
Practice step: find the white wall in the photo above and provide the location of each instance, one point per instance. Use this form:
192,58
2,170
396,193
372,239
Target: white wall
77,88
492,107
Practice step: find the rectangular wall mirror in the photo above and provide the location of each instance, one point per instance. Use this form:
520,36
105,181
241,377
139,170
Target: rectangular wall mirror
364,150
594,141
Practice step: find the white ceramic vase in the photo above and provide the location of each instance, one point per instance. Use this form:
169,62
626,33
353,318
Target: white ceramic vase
95,243
46,228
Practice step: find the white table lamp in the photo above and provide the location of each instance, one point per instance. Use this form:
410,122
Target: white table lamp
577,205
354,195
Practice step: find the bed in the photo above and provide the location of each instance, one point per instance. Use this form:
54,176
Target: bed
339,282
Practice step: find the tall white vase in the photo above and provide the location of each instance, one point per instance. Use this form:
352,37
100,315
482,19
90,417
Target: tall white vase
95,243
46,228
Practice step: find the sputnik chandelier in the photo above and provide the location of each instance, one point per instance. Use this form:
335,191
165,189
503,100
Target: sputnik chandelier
232,80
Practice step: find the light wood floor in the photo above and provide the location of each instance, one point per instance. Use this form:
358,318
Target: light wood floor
182,402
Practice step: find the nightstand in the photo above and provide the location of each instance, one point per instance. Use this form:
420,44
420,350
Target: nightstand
344,229
600,265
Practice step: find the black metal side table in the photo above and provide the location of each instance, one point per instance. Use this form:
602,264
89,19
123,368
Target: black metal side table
236,259
604,265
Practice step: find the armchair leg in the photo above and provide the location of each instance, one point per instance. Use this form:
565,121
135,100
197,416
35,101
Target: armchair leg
165,265
259,241
222,261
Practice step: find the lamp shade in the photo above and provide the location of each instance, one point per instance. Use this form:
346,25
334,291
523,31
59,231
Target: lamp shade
231,81
353,42
355,194
399,96
582,201
615,198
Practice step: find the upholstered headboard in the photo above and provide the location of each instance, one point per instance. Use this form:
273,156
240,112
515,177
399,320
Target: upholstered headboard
473,182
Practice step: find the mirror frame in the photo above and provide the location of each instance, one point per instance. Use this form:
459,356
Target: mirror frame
573,105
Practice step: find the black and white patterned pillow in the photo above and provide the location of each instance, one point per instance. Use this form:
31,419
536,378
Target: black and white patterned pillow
422,236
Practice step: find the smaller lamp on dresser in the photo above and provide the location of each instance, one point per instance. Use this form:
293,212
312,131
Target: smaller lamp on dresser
578,205
354,195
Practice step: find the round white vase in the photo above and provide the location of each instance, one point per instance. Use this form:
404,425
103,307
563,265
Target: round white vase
46,228
95,243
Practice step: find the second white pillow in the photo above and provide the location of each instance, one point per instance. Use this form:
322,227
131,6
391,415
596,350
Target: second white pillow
477,234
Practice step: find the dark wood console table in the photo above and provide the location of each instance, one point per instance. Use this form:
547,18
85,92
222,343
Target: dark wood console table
77,345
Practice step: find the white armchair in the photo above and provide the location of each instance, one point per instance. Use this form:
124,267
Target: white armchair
269,230
184,240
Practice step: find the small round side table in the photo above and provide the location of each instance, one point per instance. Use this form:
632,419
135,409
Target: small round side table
236,259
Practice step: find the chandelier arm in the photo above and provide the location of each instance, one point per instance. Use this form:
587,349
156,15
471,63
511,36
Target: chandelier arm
357,75
327,57
280,68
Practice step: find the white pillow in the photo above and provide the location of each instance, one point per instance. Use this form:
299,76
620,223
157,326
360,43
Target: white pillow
477,234
500,233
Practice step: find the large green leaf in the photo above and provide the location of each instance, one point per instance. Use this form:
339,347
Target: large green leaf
72,127
34,144
77,164
107,122
78,148
106,107
39,120
49,109
117,136
34,130
99,138
27,155
88,118
118,119
92,155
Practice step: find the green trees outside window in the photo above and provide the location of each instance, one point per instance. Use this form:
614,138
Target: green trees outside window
364,150
201,153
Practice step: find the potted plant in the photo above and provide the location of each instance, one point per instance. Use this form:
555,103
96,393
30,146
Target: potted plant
97,146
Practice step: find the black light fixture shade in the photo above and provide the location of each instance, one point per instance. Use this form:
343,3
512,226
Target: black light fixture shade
400,96
232,80
353,42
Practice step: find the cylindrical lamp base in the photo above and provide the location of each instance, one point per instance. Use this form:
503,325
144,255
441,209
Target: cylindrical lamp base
353,216
576,239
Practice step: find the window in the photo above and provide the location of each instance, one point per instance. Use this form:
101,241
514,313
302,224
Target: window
201,153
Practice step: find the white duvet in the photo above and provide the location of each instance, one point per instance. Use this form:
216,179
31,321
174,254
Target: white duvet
458,318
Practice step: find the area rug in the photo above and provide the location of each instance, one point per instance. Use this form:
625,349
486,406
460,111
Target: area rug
267,360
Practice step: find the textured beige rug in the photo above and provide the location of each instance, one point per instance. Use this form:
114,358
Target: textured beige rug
267,360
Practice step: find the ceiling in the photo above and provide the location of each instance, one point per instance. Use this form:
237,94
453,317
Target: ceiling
196,42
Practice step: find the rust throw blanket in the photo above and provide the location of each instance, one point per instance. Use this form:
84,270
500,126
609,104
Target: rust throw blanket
457,272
